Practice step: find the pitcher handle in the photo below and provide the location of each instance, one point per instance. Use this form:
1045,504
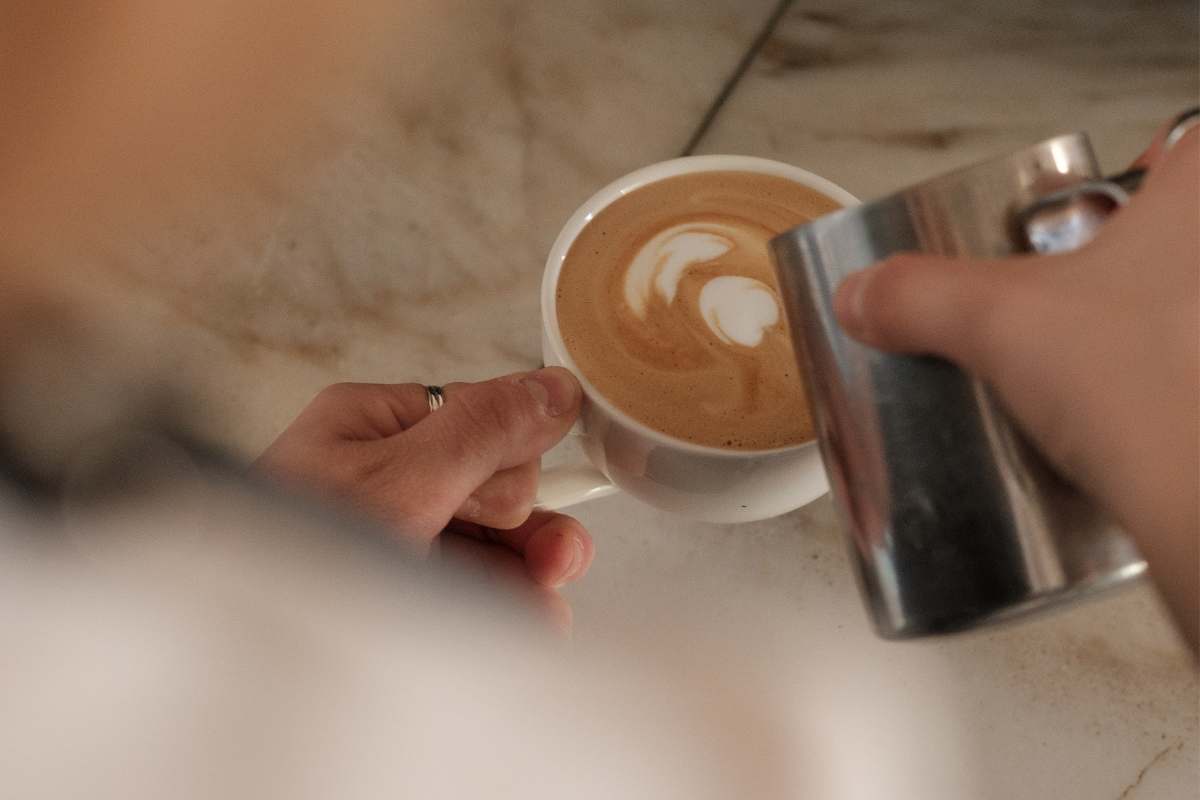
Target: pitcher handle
1068,218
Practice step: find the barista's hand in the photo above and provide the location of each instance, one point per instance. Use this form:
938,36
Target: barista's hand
469,468
1095,352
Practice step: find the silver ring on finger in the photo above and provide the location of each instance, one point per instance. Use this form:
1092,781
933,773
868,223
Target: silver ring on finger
436,397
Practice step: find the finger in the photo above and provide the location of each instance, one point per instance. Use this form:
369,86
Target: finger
1168,192
930,305
504,500
359,411
556,549
366,411
1154,154
482,428
503,569
1174,164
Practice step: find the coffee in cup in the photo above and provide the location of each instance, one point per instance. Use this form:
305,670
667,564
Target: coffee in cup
665,441
667,303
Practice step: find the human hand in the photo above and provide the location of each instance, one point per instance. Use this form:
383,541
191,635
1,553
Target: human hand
470,468
1094,352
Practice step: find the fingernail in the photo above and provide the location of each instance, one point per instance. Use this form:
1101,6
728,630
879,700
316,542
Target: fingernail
848,301
554,389
576,564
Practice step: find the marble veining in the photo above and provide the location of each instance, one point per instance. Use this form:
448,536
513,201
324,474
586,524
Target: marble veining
878,96
413,246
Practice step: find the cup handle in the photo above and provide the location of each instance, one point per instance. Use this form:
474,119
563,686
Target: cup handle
560,487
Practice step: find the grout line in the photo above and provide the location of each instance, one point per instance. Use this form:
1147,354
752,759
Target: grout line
734,79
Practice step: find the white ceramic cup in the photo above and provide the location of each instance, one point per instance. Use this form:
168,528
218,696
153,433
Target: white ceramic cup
705,483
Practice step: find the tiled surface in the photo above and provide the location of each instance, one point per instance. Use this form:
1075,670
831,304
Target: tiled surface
413,250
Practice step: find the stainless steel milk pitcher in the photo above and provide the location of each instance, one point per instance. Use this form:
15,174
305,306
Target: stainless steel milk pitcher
955,520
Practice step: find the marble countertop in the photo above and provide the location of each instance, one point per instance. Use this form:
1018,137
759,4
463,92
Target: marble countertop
413,247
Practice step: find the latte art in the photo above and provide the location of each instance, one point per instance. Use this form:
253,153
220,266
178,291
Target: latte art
739,310
736,309
667,303
661,262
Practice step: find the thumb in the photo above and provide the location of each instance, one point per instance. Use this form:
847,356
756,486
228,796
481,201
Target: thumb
481,429
929,305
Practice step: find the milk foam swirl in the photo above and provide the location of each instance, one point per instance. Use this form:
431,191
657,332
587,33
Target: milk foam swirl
736,308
